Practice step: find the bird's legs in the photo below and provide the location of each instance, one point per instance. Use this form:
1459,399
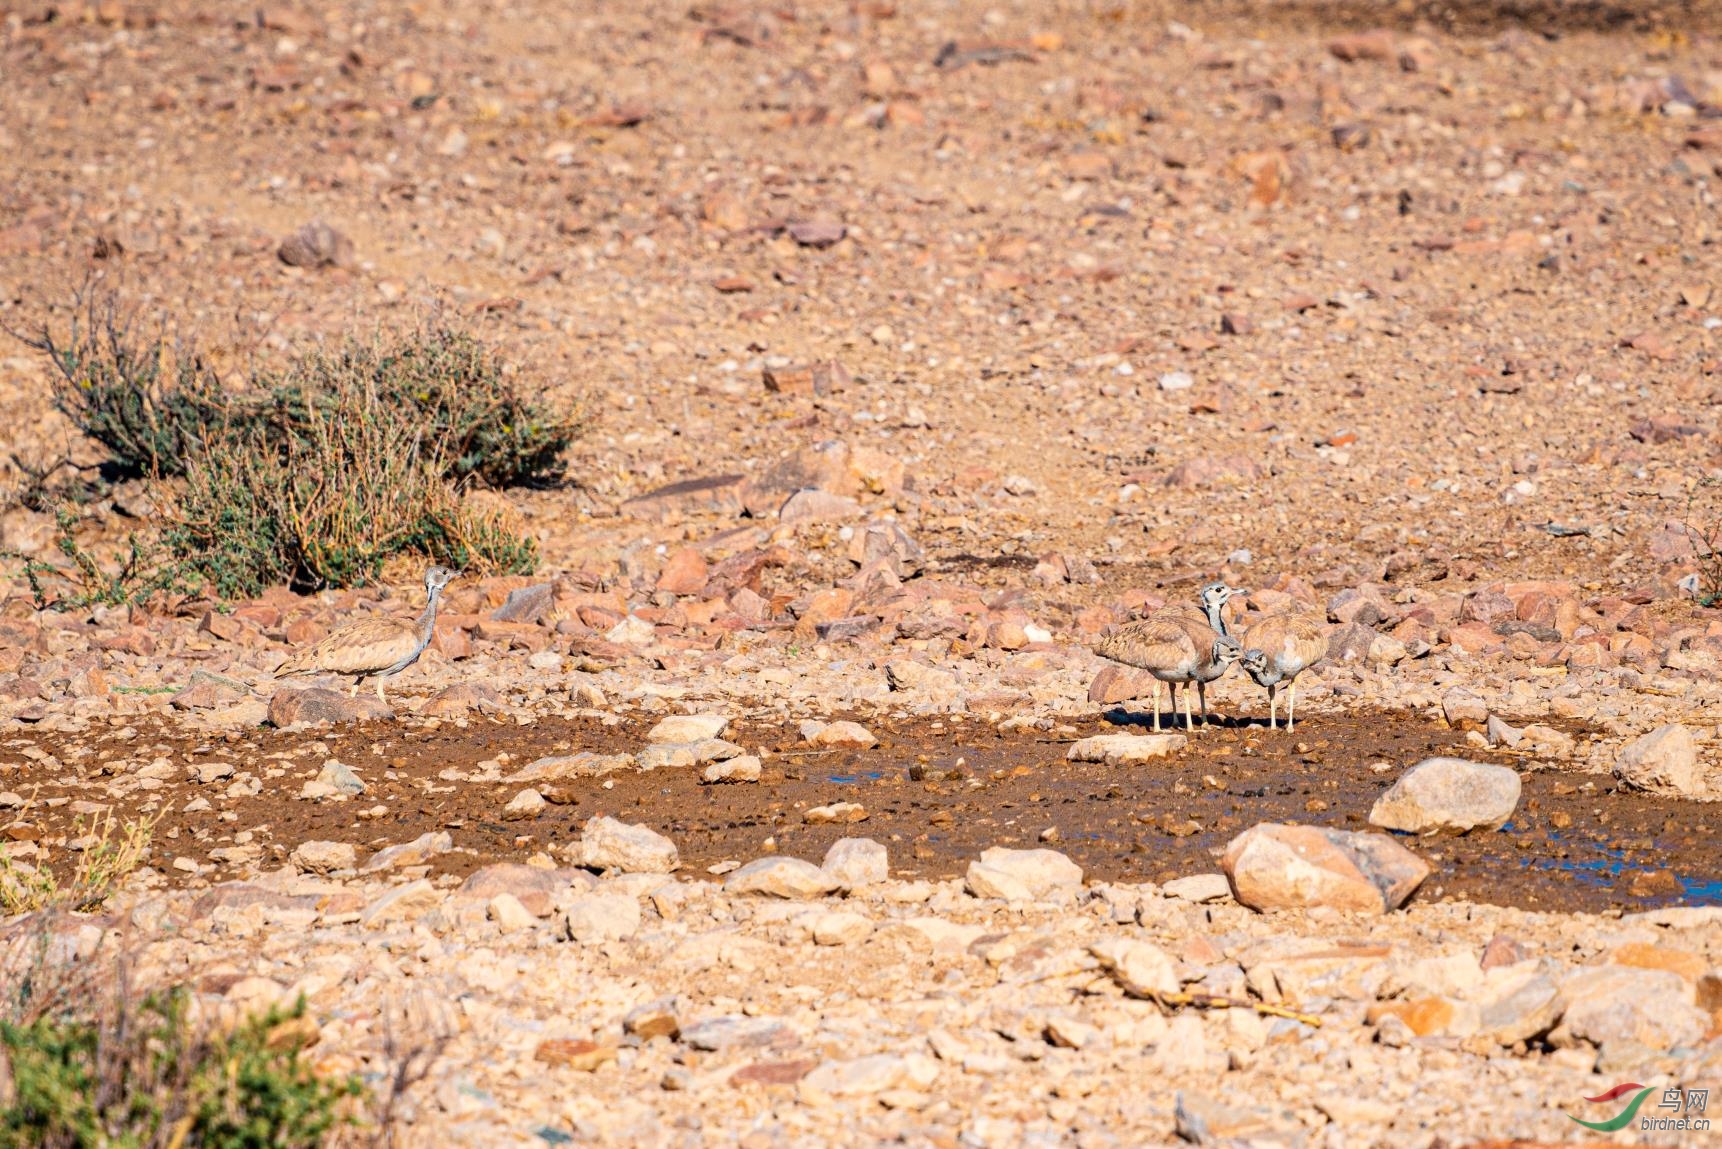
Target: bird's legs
1291,707
354,693
1189,723
380,697
1156,706
1202,699
1273,691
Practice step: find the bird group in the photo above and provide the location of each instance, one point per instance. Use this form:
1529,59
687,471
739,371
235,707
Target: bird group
1184,645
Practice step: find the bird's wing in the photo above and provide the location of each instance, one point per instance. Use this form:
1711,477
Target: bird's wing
362,647
1147,643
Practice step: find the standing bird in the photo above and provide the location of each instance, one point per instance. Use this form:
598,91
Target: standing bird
1203,622
1278,649
373,647
1172,650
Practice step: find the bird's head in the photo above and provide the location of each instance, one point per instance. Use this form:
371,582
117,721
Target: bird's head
438,577
1255,664
1218,594
1227,651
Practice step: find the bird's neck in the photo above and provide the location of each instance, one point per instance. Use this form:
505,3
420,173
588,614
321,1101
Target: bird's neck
1217,617
428,618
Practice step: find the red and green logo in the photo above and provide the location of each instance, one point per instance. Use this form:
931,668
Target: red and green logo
1624,1118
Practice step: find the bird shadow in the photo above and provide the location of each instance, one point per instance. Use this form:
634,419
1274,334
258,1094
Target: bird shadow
1170,721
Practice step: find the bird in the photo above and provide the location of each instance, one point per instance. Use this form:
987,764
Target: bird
373,647
1203,621
1174,651
1278,649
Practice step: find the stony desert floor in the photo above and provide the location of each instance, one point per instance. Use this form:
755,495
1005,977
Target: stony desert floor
916,346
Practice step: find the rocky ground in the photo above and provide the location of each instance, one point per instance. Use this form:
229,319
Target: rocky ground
916,348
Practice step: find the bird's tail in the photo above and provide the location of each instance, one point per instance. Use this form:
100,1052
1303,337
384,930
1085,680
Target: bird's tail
295,664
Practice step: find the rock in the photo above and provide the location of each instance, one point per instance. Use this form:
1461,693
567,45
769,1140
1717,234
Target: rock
289,707
1614,1004
1023,875
848,735
1359,643
1117,683
1377,44
1431,1016
1529,1009
817,232
816,506
1141,968
661,755
533,888
840,928
1215,471
526,604
1462,706
688,728
1665,761
743,769
452,701
402,903
585,1056
509,914
685,572
715,494
1448,794
780,878
1199,888
606,844
414,853
866,1076
734,1031
323,857
653,1019
906,675
594,918
341,778
316,245
526,804
841,813
856,862
1276,866
1121,749
559,768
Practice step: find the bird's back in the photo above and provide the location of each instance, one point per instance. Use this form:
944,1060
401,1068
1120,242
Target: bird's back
1293,641
363,647
1152,644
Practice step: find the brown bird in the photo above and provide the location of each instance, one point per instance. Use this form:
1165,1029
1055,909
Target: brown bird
1278,649
1203,621
373,647
1173,650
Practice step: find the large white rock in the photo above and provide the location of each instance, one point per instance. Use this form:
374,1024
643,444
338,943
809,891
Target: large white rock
595,918
606,844
1141,968
688,728
1276,866
1120,749
1613,1003
855,862
323,857
780,878
1023,875
1665,761
1451,794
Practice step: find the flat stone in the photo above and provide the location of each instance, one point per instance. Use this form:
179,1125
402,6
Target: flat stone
1450,794
528,803
290,707
558,768
1275,866
414,853
594,918
1665,761
780,878
509,914
533,888
1120,749
654,1019
687,728
856,862
734,1031
746,768
340,776
1199,888
402,903
1140,968
607,844
840,928
1023,875
316,857
847,735
564,1053
839,813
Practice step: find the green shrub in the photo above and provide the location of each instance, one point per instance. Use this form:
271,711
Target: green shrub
143,1076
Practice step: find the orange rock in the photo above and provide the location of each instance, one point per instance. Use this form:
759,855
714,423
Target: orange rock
685,572
1642,956
585,1055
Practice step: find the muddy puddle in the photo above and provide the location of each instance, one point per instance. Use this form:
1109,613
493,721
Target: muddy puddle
1575,844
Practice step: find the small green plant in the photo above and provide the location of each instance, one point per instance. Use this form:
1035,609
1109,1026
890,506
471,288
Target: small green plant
112,850
145,1076
1703,525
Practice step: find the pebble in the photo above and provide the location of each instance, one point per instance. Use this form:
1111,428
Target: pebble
1119,749
1199,888
856,862
1023,875
745,768
686,728
414,853
594,918
316,857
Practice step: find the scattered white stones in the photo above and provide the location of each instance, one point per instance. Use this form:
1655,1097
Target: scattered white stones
1665,761
1120,749
688,728
780,878
838,735
606,844
1275,866
1023,875
1450,794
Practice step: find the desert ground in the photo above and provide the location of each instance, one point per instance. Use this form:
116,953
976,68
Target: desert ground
915,347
